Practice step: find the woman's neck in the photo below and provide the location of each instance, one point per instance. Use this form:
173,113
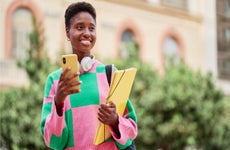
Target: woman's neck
82,55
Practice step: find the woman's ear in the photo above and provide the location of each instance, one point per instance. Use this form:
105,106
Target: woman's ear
67,33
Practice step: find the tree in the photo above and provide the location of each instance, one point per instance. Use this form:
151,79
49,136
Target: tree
21,108
181,109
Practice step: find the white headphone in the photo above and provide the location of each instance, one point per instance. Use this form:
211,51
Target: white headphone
87,63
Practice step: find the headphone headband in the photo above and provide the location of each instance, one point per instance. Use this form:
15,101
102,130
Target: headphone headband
87,63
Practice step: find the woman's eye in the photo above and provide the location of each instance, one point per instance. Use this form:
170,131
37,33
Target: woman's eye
91,28
79,27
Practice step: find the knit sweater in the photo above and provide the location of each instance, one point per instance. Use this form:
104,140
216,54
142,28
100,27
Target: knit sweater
77,127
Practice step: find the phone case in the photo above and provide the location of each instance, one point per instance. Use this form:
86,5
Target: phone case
71,60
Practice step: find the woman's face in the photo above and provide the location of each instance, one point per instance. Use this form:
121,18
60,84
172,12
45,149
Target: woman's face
82,33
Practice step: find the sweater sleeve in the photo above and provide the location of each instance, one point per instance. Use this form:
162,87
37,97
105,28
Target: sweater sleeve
53,126
127,127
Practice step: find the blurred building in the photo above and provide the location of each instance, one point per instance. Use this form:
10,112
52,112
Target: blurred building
193,30
223,42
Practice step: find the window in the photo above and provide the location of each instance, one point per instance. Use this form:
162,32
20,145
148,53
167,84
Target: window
127,44
127,36
227,9
171,51
223,38
21,28
224,65
227,34
181,4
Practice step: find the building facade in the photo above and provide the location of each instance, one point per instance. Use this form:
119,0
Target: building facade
186,29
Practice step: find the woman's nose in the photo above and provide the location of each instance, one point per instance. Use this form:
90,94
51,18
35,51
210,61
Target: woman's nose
86,32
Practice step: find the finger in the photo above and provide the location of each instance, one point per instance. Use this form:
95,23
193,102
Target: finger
105,106
104,113
71,89
73,83
66,78
72,79
74,91
104,120
112,105
102,117
101,120
63,75
110,108
67,89
61,88
105,109
74,75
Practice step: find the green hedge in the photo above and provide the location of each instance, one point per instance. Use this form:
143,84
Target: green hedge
181,109
21,107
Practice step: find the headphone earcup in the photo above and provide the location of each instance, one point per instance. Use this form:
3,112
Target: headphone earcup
87,63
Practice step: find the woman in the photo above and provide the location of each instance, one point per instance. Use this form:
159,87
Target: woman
70,117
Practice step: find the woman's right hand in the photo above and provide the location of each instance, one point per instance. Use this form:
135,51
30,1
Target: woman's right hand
65,86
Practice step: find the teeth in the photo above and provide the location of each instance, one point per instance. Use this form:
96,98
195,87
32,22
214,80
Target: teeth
85,42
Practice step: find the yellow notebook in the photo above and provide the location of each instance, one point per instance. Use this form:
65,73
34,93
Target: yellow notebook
119,92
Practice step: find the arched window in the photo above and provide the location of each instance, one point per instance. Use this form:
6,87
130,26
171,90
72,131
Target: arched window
171,51
127,44
127,35
22,26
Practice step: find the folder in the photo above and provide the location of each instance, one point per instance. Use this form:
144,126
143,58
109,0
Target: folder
119,92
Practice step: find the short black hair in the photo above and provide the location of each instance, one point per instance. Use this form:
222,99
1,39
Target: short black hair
77,7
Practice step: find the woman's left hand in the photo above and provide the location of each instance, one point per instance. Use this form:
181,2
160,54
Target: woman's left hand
107,114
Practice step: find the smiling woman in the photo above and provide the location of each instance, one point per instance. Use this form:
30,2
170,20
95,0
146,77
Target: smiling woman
82,34
70,117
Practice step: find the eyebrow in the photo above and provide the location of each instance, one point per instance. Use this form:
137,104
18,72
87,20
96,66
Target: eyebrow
81,23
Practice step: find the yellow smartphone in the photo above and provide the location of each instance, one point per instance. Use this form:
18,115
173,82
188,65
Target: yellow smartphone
71,60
